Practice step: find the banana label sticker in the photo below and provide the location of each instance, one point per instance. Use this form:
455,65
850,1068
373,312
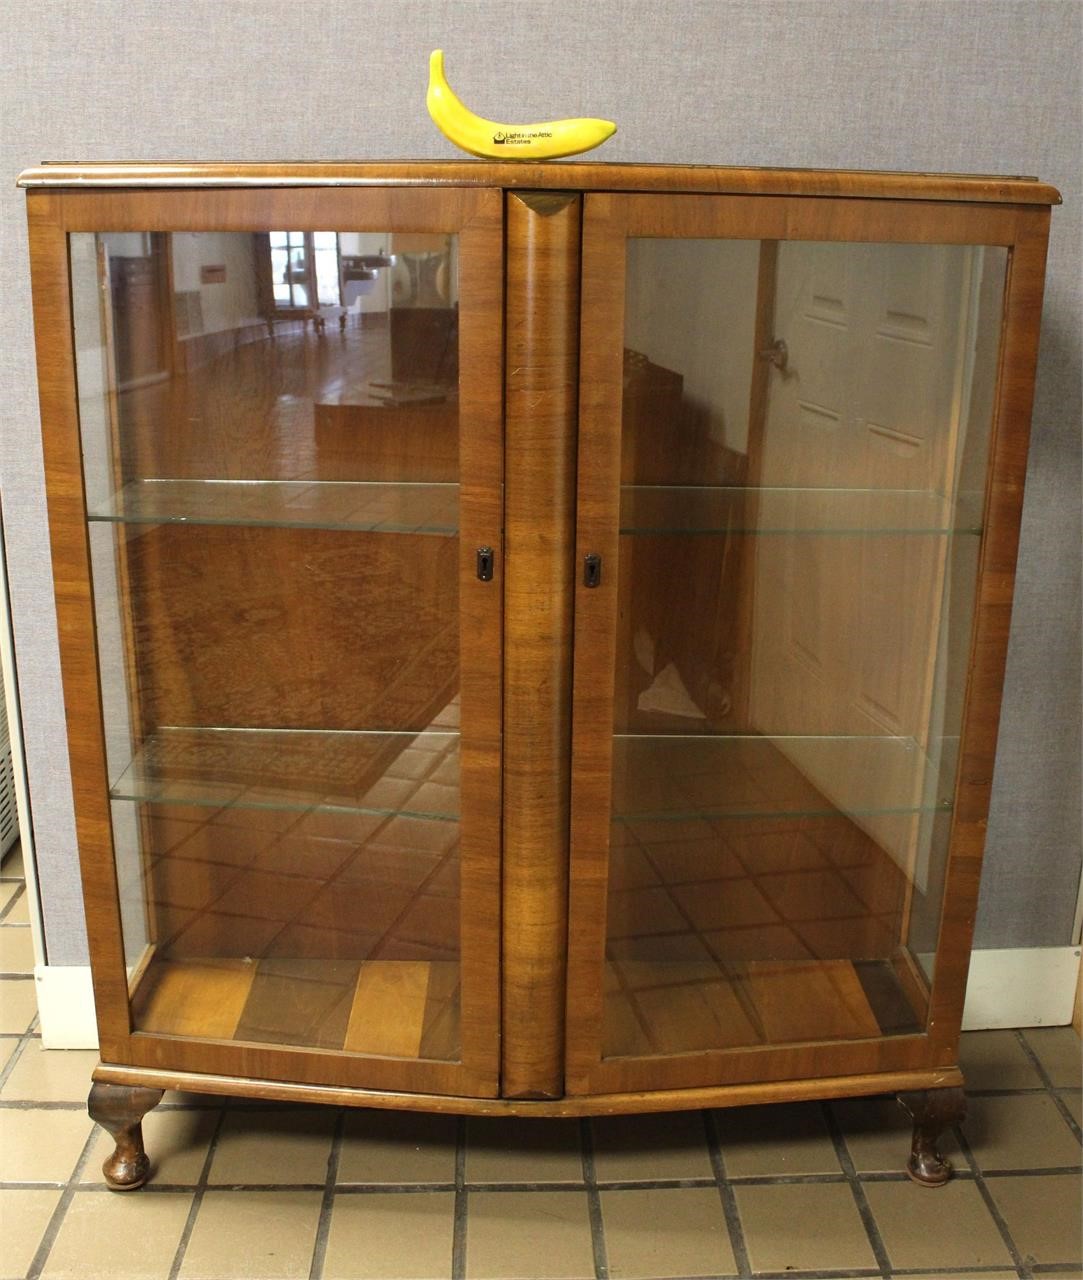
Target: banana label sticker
489,139
520,138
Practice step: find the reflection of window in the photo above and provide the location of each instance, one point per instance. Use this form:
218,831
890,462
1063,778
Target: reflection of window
305,269
325,256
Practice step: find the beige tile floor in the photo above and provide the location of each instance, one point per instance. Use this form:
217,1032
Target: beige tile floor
247,1192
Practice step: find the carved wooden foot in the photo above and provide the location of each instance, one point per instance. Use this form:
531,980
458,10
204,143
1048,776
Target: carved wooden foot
120,1109
933,1111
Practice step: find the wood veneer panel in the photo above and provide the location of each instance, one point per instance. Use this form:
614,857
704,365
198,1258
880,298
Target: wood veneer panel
542,371
601,363
301,1002
388,1014
821,1000
575,176
481,462
476,217
75,613
669,1008
440,1037
392,1008
608,220
992,621
701,1015
194,997
795,218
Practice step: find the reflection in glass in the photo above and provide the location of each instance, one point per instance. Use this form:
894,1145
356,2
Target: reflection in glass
804,436
273,508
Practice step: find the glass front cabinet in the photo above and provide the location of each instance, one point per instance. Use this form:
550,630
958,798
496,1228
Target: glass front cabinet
532,636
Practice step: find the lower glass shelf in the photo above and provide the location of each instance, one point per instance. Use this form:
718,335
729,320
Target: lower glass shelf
714,509
663,1007
682,776
392,1008
407,773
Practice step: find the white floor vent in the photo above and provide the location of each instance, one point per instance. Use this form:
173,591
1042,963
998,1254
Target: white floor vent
9,814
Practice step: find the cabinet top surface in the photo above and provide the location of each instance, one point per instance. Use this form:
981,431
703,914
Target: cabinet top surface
567,176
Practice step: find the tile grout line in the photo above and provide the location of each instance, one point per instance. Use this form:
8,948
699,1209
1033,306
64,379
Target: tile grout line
197,1199
56,1221
594,1200
725,1194
458,1232
497,1188
1022,1270
861,1200
323,1228
1048,1085
17,1053
20,892
43,1104
436,1188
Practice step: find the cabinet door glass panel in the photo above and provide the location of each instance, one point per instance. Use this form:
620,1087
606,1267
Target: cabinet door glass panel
270,436
804,437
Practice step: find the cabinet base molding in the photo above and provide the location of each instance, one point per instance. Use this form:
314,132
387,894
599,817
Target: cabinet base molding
735,1095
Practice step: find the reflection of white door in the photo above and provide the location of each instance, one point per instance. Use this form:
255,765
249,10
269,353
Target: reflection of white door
845,625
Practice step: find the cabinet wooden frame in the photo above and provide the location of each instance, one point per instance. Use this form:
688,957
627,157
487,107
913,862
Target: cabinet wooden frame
542,246
476,216
609,221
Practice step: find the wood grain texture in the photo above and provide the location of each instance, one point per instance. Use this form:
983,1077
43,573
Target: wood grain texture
547,297
120,1110
540,422
601,375
663,1007
481,506
609,220
574,176
54,340
794,1090
194,998
992,621
476,217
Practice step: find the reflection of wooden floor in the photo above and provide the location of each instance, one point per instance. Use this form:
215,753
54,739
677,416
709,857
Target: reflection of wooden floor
726,929
660,1007
310,884
397,1008
752,889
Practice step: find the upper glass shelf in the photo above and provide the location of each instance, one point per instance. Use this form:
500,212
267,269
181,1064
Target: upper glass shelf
409,774
711,509
690,776
373,506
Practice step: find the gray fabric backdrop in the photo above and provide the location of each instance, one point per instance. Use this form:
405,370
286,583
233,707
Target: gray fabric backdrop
966,85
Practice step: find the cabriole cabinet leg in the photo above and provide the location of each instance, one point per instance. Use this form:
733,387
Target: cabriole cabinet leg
120,1109
933,1111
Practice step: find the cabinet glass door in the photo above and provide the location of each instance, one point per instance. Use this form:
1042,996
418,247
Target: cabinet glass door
790,525
287,473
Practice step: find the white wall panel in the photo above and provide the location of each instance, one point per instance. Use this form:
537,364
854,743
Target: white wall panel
970,85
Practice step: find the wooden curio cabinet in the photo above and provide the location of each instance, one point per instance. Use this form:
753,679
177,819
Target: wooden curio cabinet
532,635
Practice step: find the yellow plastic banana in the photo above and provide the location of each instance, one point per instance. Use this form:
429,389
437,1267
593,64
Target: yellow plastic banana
494,141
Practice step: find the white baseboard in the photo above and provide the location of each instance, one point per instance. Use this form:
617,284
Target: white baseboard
66,1006
1021,987
1018,987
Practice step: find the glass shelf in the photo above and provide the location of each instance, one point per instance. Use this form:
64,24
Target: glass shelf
711,509
372,506
409,773
680,777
